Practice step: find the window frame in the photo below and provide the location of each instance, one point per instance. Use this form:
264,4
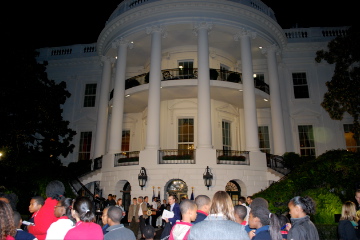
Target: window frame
299,94
302,138
89,99
87,145
267,135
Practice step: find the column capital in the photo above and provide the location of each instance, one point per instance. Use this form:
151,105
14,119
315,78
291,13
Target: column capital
271,48
202,25
244,33
122,41
107,58
157,28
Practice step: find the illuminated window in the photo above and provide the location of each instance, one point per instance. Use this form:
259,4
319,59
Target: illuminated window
226,135
90,95
125,141
186,68
301,89
186,134
351,144
306,139
85,146
264,142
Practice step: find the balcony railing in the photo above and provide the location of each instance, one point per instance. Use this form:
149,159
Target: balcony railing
176,156
276,163
126,158
232,157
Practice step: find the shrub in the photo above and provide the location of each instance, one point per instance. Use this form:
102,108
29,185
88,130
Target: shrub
327,231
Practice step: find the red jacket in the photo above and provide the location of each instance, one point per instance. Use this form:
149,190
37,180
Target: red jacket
44,219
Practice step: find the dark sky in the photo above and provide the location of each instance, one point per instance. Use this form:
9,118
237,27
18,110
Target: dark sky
61,23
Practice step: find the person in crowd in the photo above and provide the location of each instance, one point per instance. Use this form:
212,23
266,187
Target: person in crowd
85,228
240,213
36,203
110,201
148,206
104,219
161,221
58,229
242,201
10,198
133,217
301,227
283,220
257,202
348,223
249,200
142,213
175,208
266,224
181,230
220,224
203,204
21,234
99,203
357,198
116,230
154,208
119,204
7,224
45,216
149,232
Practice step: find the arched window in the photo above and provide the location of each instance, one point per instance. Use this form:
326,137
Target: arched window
179,188
234,190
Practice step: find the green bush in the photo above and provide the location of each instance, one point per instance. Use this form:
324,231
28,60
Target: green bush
327,231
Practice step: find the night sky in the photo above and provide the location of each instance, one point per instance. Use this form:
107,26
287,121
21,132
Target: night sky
62,23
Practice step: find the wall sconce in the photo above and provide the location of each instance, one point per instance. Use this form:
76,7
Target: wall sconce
142,177
207,176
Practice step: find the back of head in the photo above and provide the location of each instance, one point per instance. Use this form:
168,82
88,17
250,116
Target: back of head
39,200
83,206
262,213
259,202
306,203
202,200
267,218
242,199
55,190
283,220
17,218
348,211
115,214
186,205
66,203
7,225
221,203
240,211
149,232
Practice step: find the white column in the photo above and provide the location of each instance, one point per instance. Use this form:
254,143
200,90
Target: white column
119,98
153,115
250,116
102,119
204,101
275,101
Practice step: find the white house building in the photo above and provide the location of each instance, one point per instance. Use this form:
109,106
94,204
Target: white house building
175,87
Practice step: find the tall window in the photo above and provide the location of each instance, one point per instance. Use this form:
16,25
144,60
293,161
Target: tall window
306,139
226,135
186,134
186,68
85,146
259,77
264,142
351,144
224,72
90,95
125,141
301,89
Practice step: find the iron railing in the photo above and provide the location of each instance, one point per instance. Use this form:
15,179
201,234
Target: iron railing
232,157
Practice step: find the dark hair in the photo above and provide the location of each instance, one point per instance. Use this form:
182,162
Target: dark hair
241,211
55,190
306,203
283,220
149,232
39,200
7,225
84,207
174,196
242,199
115,214
259,202
17,218
66,203
202,200
267,218
186,204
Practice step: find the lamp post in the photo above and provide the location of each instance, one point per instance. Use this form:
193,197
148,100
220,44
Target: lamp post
207,176
142,177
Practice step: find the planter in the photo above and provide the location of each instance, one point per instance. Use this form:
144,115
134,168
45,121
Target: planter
231,158
130,159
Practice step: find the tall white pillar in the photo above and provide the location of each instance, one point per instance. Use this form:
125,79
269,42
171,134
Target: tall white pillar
119,98
277,121
204,100
250,116
102,119
153,116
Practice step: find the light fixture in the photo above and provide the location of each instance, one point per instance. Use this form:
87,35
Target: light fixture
207,176
142,178
127,95
265,99
240,90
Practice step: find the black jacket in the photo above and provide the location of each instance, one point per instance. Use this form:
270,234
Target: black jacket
302,229
346,230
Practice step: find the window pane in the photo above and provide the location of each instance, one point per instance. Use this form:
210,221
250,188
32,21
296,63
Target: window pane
85,146
186,133
226,135
301,89
306,140
125,142
264,139
351,143
90,95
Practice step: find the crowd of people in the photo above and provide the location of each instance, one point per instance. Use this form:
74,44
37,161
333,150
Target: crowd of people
58,217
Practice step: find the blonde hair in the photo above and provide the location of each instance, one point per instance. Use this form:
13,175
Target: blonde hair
348,211
221,203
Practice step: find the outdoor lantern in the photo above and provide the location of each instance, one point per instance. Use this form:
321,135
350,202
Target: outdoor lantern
207,177
142,177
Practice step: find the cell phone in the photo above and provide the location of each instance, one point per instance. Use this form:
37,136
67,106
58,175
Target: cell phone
28,223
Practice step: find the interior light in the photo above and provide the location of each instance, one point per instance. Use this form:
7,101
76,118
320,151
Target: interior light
127,95
265,100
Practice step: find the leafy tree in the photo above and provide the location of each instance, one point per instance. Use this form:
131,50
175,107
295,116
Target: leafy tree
343,89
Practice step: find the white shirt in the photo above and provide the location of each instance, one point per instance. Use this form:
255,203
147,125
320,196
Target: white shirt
58,229
140,210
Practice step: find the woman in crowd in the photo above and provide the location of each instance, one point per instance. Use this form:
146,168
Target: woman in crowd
348,222
301,227
266,225
220,223
45,216
7,225
58,229
85,228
